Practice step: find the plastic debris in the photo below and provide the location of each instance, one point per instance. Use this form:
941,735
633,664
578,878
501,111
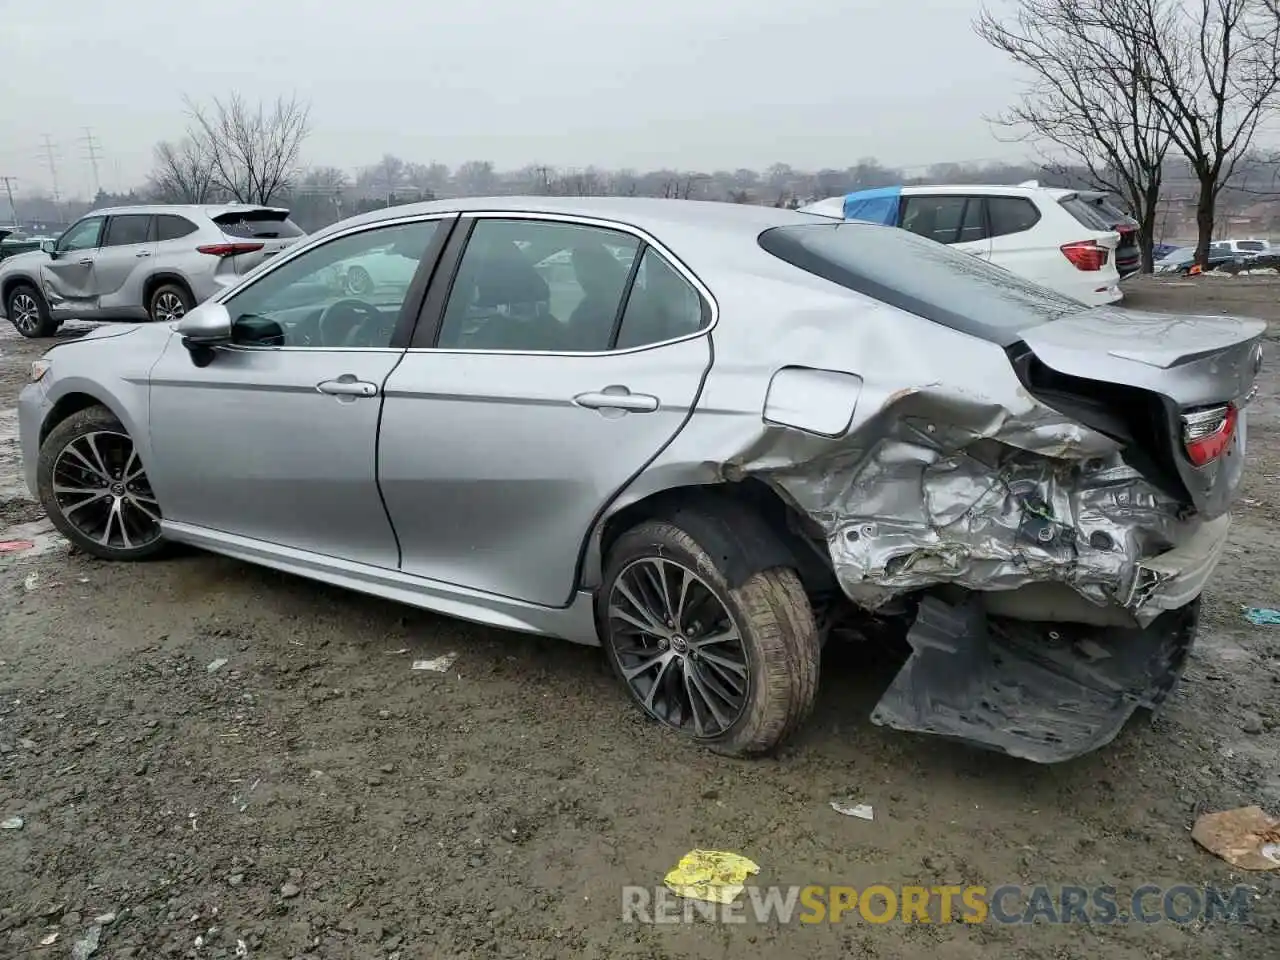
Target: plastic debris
216,665
49,939
1262,616
862,811
440,664
242,949
30,581
13,546
1245,837
87,945
401,650
711,875
12,823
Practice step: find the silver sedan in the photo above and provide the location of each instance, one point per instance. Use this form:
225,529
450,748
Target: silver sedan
708,437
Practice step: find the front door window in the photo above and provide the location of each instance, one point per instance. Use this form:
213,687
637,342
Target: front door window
345,293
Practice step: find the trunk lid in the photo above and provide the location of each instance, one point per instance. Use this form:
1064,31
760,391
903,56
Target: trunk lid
1172,388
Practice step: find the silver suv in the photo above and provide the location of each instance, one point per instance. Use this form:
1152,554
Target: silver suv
138,263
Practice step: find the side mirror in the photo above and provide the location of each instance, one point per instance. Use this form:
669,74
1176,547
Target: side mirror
50,247
204,328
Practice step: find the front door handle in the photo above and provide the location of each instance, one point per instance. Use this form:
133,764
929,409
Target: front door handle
348,386
143,253
617,398
86,262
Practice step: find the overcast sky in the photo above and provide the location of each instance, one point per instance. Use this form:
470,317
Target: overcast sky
694,84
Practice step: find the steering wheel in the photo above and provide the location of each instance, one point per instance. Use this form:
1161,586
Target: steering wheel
363,322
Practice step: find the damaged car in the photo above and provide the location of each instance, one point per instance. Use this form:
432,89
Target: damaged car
722,437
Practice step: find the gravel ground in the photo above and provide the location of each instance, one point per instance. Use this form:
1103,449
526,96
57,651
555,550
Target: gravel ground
314,796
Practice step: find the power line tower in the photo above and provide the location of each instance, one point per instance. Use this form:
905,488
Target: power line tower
8,189
91,154
53,167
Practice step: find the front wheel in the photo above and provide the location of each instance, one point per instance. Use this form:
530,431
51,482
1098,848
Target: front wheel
734,669
94,487
29,313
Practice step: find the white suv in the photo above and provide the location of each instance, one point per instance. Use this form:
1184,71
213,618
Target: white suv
1040,233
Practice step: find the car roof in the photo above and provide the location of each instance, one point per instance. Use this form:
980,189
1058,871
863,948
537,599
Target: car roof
206,209
995,189
653,215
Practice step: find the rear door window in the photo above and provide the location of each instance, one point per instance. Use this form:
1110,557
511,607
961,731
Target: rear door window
1252,246
949,287
1011,215
937,218
127,229
258,224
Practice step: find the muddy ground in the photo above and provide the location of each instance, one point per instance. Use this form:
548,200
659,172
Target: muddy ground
314,796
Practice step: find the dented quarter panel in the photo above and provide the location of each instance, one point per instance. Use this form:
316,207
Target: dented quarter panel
950,471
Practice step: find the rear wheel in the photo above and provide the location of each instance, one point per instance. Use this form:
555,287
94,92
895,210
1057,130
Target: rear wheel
734,669
94,487
29,313
169,302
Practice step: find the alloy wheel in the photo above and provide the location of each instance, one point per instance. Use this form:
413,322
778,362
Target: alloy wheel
26,312
102,490
358,281
677,647
169,307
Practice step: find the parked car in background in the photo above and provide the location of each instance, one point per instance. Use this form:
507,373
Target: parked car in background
1241,248
1161,250
1039,233
1182,259
534,431
139,263
11,244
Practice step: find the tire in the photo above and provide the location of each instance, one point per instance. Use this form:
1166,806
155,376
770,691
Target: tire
169,302
29,313
358,281
779,644
128,513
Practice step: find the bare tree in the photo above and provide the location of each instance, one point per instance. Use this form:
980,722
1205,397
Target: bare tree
252,150
182,172
1215,75
1089,94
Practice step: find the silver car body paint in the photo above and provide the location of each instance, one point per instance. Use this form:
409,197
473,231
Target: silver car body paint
476,487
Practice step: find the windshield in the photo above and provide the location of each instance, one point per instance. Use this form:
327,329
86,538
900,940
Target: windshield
923,277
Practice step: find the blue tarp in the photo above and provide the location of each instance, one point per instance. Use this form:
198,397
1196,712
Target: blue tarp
875,206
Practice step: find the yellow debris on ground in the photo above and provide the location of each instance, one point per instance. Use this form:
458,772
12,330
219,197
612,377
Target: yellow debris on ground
711,875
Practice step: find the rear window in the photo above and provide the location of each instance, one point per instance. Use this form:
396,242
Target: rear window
1087,214
258,224
933,281
1251,245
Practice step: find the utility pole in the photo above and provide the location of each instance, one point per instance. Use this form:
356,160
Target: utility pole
8,188
53,167
91,154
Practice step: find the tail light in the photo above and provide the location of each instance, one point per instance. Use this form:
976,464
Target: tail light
1085,255
1207,433
229,249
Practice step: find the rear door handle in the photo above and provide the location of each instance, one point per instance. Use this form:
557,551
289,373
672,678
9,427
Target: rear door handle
617,398
86,262
348,386
143,253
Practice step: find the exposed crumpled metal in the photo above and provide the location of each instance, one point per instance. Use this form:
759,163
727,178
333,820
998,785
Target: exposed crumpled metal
946,489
